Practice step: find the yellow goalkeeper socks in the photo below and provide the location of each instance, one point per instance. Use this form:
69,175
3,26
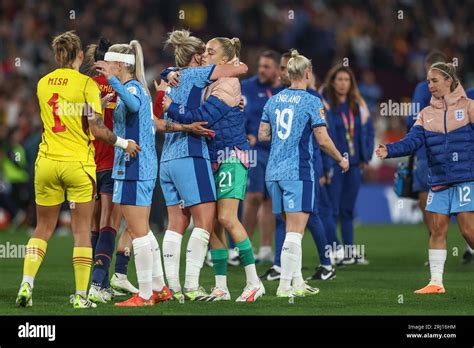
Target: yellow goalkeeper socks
82,262
35,252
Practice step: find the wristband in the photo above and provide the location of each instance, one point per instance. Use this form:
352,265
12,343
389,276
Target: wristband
122,143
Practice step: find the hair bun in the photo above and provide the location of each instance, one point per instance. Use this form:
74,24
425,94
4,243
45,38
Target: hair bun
178,37
294,53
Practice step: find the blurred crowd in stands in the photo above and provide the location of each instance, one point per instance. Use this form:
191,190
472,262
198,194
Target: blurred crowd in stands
384,42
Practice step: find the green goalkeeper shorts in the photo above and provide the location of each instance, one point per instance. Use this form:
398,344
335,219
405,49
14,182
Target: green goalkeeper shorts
231,179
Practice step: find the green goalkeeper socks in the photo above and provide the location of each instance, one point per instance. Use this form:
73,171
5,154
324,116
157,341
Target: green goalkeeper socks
219,261
245,252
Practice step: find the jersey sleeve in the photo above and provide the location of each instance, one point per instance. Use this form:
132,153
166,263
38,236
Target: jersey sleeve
201,75
266,113
211,111
92,96
129,95
414,139
318,117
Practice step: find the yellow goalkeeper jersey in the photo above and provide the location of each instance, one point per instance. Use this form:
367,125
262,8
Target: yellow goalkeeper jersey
63,95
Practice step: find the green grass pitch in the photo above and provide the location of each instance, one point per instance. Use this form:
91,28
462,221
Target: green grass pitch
385,286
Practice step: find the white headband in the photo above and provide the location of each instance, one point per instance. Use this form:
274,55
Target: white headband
120,57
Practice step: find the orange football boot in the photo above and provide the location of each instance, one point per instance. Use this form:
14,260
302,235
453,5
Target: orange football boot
431,289
161,296
136,301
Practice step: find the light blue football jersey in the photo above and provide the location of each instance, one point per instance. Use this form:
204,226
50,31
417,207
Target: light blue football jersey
292,114
138,126
192,82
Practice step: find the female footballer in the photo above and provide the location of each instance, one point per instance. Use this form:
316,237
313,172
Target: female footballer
446,128
185,174
134,178
228,151
107,215
290,119
71,114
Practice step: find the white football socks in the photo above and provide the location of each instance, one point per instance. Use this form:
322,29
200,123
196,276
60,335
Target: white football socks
290,256
251,275
298,280
437,258
143,265
221,281
195,255
158,279
171,257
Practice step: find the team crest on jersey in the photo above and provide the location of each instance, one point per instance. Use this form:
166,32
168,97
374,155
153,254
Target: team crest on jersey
459,114
322,113
132,89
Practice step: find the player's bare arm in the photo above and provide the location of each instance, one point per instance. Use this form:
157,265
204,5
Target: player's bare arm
264,132
198,128
327,145
101,132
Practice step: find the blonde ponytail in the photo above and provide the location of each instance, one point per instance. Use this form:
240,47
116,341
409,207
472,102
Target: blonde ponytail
139,68
139,64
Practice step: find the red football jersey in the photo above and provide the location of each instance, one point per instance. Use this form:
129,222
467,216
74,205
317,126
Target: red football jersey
104,153
158,104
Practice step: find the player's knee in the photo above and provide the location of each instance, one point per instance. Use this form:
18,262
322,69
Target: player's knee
438,225
438,230
226,220
178,224
44,228
207,225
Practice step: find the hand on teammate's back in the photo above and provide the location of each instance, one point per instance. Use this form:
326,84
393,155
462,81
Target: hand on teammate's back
133,148
198,129
173,78
241,104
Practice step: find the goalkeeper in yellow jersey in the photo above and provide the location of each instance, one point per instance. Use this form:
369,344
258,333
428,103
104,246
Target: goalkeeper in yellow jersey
71,113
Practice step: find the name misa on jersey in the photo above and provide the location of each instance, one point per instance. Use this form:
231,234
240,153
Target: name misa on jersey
57,81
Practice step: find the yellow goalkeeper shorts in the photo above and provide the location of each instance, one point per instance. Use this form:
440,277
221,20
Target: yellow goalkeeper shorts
54,178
